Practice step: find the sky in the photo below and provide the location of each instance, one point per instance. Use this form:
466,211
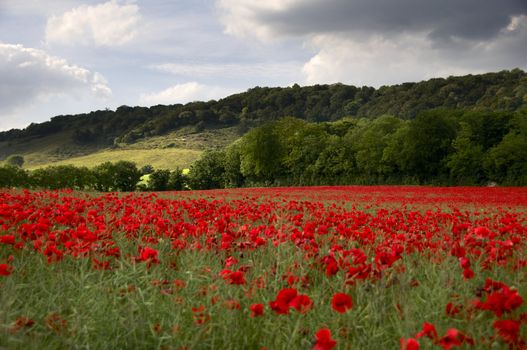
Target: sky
61,57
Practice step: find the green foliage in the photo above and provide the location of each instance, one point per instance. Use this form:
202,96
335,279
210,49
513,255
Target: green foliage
158,180
146,169
119,176
301,144
428,142
177,180
466,160
369,143
12,176
437,147
459,130
503,91
208,171
335,164
233,176
507,161
261,153
15,160
62,176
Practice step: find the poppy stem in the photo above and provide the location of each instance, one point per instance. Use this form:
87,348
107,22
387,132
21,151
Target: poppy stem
295,330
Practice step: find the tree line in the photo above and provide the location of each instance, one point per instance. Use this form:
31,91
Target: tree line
501,91
119,176
438,147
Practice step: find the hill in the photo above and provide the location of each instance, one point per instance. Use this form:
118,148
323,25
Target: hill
173,136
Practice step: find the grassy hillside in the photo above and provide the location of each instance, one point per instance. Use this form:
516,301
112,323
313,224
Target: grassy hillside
177,149
159,158
196,126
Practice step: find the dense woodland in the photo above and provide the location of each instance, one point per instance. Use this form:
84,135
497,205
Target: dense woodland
439,147
502,91
468,130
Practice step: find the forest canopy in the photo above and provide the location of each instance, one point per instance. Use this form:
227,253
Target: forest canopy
501,91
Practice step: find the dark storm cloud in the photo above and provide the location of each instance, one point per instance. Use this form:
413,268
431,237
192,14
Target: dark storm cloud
443,19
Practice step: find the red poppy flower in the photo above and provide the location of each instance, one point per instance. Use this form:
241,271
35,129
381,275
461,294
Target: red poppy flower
464,262
508,330
429,331
301,303
468,274
5,270
289,298
230,261
454,337
20,323
451,309
148,254
256,310
324,340
233,277
281,304
341,302
7,239
501,301
409,344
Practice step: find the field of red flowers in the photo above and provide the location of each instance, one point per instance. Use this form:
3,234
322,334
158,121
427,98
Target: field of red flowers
283,268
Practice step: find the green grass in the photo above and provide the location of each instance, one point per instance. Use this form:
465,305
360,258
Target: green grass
176,149
124,309
187,138
171,158
74,306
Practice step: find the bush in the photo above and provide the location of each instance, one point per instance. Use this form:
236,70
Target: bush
15,160
120,176
158,180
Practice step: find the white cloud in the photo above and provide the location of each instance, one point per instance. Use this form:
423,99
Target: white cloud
29,75
107,24
242,18
377,60
378,42
374,61
183,93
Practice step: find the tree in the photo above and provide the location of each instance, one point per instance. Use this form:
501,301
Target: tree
394,156
233,176
120,176
208,171
146,169
302,143
15,160
428,143
335,163
13,176
126,175
261,148
507,161
466,161
158,180
370,141
62,176
177,180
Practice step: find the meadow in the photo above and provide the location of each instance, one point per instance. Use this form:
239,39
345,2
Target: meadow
277,268
176,149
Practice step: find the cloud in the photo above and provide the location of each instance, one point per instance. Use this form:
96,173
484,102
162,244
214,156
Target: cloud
183,93
273,70
378,42
29,75
107,24
472,19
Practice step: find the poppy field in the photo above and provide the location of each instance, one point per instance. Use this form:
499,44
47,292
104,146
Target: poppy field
354,267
